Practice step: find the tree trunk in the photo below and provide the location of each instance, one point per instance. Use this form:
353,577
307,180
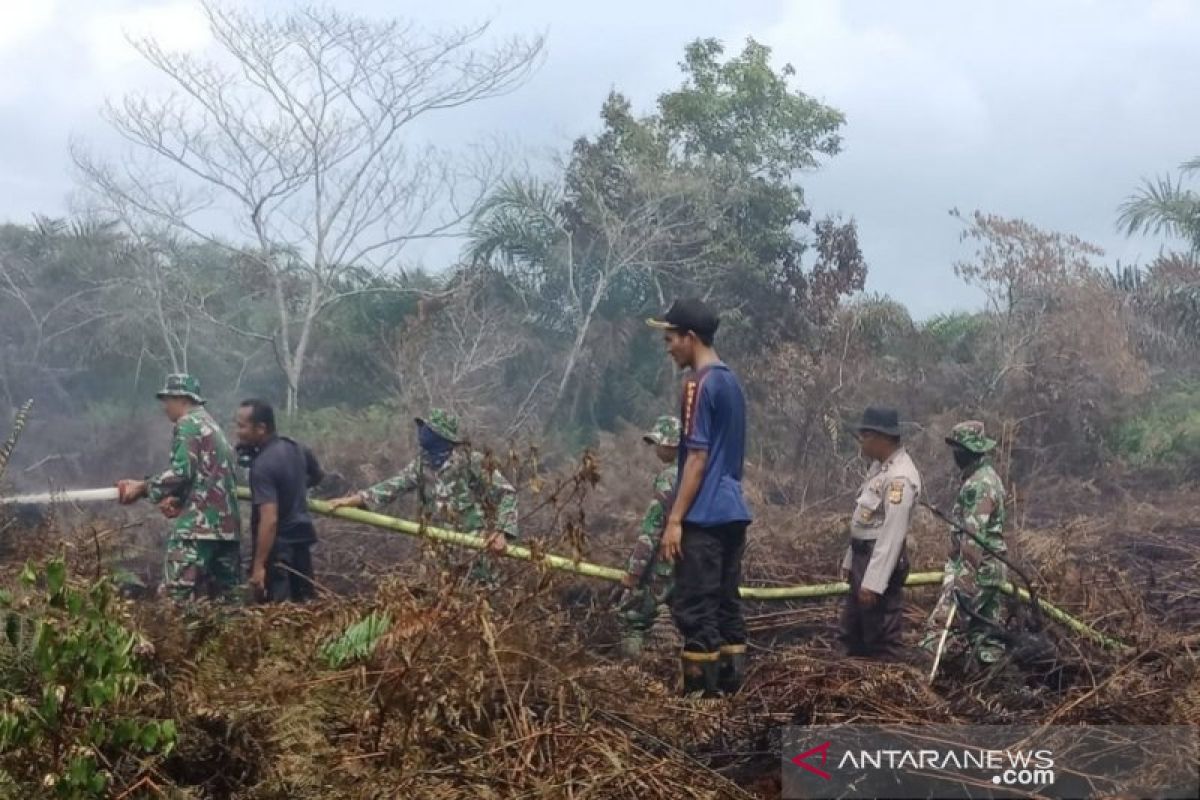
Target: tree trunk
298,356
293,396
577,347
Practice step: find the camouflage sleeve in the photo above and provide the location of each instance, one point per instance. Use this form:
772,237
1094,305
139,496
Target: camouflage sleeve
648,540
385,492
185,455
504,498
653,521
974,507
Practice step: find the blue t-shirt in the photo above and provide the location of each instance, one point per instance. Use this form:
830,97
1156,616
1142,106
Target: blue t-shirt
713,412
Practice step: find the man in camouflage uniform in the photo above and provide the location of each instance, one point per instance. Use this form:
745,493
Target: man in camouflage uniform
198,492
648,579
458,489
979,510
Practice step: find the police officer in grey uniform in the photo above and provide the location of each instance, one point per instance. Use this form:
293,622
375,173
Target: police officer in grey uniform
876,563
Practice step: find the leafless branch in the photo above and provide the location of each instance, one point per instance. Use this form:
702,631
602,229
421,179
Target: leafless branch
302,136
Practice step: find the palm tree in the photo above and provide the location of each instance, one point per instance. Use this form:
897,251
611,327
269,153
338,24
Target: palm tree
522,228
574,250
1163,205
522,224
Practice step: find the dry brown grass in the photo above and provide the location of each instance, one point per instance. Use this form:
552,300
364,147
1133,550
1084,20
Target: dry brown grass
516,693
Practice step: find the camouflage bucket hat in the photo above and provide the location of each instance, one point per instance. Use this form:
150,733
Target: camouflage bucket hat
181,384
970,436
443,423
665,431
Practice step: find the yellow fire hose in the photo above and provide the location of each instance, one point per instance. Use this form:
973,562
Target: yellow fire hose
809,592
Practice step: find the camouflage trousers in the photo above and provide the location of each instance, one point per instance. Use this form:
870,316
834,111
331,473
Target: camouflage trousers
639,609
198,569
987,602
643,618
483,572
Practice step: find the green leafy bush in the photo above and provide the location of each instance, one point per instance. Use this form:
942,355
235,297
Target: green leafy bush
1166,433
70,672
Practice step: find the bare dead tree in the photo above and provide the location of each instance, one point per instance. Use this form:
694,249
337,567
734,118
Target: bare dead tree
45,325
665,230
456,358
300,135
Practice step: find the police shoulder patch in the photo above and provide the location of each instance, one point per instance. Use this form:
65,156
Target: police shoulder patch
896,491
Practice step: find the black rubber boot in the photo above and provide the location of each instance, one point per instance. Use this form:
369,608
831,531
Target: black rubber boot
701,673
732,668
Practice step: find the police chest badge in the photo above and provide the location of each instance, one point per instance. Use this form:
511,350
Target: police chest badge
895,492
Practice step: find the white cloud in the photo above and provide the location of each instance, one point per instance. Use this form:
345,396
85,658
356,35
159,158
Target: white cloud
1173,11
22,19
176,26
879,76
23,25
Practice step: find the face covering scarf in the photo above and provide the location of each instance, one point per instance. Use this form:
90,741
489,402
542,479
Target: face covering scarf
964,457
435,448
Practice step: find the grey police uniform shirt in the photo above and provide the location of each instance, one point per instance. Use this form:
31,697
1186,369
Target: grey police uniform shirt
882,514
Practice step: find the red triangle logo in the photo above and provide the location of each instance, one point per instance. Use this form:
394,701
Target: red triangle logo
801,760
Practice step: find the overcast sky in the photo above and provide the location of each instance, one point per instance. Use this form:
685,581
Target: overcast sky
1049,110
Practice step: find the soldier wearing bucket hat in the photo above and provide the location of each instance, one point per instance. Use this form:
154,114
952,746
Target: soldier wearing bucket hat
979,510
458,487
198,492
180,384
648,579
876,562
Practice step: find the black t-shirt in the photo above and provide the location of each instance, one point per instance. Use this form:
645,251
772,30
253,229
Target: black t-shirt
281,473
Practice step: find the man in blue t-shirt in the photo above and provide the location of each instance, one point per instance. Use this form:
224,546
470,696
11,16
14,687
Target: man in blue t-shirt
705,535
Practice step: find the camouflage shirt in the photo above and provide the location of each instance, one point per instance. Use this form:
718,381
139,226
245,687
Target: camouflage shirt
202,478
464,495
979,507
650,535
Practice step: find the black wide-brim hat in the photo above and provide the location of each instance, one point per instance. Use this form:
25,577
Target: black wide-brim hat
880,420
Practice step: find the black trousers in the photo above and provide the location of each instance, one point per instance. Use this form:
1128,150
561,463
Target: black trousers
705,602
874,632
289,573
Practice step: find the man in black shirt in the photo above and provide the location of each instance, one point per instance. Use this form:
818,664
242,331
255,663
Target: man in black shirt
281,471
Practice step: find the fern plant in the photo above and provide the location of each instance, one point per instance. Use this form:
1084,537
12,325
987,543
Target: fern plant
358,641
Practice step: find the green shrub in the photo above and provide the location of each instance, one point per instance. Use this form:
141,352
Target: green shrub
70,673
378,422
956,334
1166,432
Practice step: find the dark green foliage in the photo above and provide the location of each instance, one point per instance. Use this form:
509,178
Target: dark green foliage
956,334
1163,433
71,669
